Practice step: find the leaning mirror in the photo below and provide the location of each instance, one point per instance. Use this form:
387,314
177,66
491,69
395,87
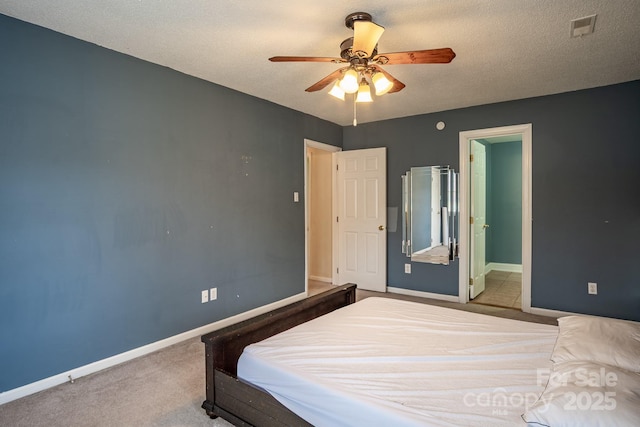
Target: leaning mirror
430,214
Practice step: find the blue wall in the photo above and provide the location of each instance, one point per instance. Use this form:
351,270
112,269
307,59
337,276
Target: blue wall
586,197
126,188
504,237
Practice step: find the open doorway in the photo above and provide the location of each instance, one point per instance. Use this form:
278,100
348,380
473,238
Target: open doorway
496,230
495,241
319,214
349,245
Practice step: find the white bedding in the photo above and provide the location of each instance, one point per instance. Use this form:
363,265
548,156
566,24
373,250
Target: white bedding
385,362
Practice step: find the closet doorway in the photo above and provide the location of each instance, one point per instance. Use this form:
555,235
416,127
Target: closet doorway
319,214
495,196
495,232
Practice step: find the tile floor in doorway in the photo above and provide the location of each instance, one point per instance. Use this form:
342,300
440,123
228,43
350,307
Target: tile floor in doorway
502,289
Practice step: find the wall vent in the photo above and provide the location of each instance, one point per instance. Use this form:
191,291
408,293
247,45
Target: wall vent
583,26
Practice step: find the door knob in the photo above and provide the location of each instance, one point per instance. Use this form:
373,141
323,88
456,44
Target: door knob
381,227
485,226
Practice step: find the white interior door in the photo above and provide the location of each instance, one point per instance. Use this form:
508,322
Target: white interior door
361,184
478,215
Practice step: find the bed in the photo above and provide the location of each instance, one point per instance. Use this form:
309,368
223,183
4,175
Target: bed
389,362
242,403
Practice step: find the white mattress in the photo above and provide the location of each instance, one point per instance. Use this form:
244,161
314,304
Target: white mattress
385,362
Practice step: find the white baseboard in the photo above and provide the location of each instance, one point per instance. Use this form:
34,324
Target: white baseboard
443,297
558,313
499,266
454,298
99,365
553,313
321,279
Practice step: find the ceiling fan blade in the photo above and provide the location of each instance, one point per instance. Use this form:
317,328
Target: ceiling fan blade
365,37
429,56
397,84
327,80
305,59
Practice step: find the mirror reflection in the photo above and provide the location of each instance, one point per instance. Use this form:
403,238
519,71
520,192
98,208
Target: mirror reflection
430,214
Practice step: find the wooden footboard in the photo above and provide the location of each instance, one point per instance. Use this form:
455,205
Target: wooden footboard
240,402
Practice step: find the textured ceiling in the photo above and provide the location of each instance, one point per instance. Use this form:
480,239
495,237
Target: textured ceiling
506,49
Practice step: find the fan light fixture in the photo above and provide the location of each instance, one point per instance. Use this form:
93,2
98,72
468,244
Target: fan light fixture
381,83
349,83
364,92
337,91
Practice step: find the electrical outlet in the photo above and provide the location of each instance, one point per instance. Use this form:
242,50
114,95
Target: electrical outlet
205,296
592,288
213,294
407,268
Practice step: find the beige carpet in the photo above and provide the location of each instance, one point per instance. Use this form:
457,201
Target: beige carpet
165,388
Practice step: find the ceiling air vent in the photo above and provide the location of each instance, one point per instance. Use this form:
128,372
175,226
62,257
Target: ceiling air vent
583,26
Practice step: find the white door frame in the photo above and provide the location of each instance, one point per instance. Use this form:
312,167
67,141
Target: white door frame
308,143
465,137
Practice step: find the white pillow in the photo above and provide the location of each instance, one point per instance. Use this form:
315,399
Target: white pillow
587,394
598,339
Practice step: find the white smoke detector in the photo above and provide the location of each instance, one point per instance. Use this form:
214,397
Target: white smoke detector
583,26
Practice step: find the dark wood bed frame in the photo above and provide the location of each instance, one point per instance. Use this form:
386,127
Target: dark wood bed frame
237,401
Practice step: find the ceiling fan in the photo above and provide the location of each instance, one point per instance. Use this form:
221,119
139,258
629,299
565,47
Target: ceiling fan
361,53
